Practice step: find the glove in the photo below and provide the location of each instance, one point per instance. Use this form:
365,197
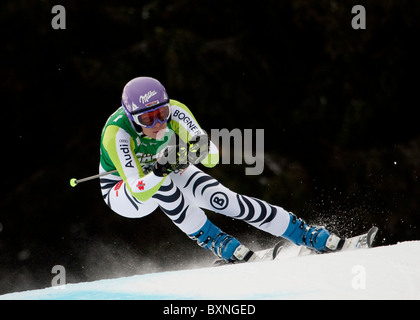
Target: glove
174,159
198,148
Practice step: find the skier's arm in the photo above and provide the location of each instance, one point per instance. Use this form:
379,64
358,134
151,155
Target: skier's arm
186,126
120,146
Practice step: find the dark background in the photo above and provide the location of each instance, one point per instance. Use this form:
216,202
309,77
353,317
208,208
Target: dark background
338,106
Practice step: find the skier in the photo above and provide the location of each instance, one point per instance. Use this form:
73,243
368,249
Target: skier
139,141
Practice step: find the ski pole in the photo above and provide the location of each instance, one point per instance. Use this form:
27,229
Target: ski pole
171,153
74,182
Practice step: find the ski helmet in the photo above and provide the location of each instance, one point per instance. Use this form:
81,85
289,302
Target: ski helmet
143,94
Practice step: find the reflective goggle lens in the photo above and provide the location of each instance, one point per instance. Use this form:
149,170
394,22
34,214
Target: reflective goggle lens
148,119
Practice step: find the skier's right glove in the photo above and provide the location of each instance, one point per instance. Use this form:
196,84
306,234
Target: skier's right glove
198,148
174,159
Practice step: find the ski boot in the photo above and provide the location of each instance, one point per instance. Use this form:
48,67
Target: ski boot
221,244
313,237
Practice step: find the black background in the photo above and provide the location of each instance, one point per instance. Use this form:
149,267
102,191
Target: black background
338,107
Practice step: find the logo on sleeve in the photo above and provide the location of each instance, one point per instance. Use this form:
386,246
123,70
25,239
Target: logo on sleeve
141,185
127,156
189,122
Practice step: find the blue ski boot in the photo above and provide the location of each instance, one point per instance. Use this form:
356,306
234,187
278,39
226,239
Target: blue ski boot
221,244
317,238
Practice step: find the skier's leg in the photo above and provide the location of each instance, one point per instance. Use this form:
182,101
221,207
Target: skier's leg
192,220
184,214
208,193
120,200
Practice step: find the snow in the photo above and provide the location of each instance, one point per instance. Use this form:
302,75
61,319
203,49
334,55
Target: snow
390,272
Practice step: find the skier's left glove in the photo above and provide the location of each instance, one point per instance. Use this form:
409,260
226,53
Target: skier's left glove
174,159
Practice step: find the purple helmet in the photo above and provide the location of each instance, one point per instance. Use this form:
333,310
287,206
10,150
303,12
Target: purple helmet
142,94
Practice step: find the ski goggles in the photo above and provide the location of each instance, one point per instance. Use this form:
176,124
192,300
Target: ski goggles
149,118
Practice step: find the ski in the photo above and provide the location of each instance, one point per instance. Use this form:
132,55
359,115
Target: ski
364,240
284,248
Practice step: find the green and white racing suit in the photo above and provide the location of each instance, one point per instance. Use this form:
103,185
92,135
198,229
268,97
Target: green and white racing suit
135,191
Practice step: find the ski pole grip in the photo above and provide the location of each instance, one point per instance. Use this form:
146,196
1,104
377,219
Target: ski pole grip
73,182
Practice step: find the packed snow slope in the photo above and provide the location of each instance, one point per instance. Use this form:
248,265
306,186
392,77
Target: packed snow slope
391,272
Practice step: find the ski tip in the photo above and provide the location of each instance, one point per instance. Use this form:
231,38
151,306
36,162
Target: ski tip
73,182
371,236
